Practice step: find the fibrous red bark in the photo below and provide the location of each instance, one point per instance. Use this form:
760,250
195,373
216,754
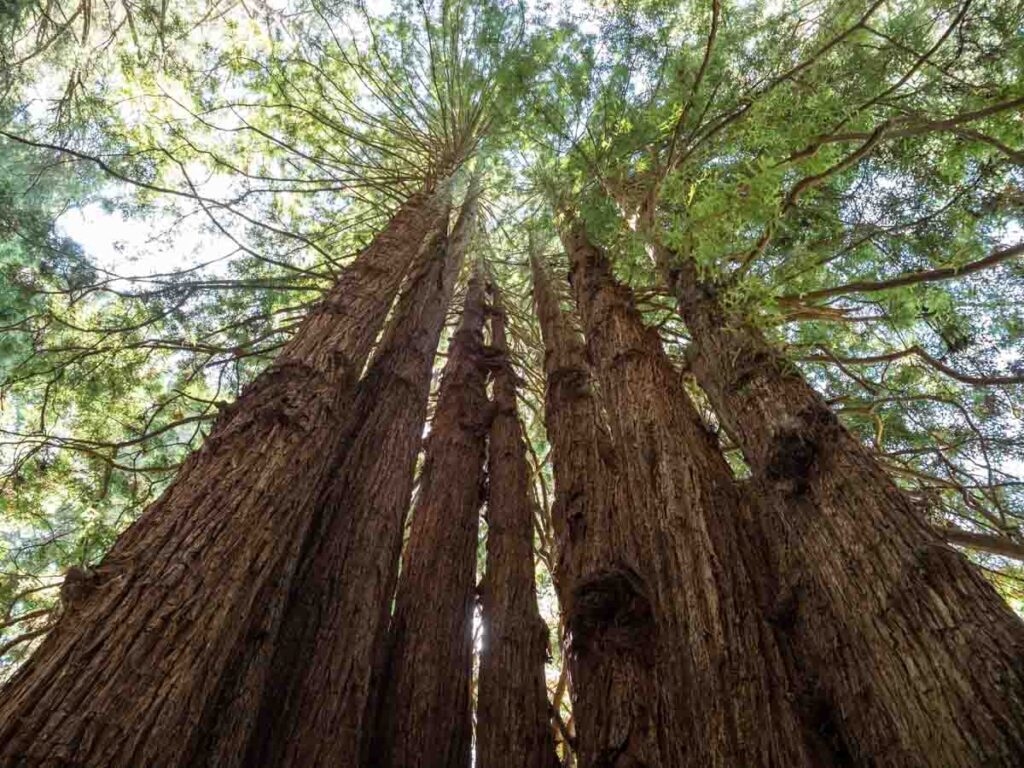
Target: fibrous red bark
722,695
513,713
913,657
610,649
340,600
163,662
425,713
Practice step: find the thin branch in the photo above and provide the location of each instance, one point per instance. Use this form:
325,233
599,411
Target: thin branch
910,278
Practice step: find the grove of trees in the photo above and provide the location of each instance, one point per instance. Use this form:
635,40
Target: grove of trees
442,383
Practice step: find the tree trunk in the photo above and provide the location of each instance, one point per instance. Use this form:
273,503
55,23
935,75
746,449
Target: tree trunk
918,660
338,610
722,693
161,656
513,712
425,714
609,651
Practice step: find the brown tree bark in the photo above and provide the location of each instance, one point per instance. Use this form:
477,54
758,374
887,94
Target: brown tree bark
513,712
162,656
425,713
338,609
609,650
916,658
722,692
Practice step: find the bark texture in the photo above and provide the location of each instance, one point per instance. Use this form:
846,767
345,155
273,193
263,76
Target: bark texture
722,694
162,658
915,660
339,605
425,714
610,650
513,713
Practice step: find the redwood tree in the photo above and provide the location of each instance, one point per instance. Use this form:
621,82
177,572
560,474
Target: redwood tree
340,599
832,184
513,713
722,694
861,216
916,658
425,713
609,649
164,648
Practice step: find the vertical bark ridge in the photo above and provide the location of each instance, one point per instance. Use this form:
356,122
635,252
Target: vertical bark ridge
609,648
722,691
339,604
166,652
425,714
513,711
917,657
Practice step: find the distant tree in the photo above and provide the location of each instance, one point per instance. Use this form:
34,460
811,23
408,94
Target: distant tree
425,711
514,723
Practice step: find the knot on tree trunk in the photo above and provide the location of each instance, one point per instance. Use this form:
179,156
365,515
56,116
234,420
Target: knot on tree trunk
79,583
796,448
287,393
610,613
750,364
569,383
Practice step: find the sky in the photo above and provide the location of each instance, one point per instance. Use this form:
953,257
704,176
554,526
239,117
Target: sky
127,246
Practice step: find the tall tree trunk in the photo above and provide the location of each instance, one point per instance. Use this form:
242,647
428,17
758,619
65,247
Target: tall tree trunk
918,659
722,692
338,611
425,714
609,649
160,656
513,712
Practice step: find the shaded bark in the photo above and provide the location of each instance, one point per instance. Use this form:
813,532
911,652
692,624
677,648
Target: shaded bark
722,693
609,655
425,713
162,658
513,712
914,656
339,604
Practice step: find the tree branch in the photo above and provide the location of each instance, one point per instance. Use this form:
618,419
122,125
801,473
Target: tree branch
910,278
995,545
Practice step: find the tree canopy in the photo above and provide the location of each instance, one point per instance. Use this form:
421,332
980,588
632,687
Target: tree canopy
849,176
